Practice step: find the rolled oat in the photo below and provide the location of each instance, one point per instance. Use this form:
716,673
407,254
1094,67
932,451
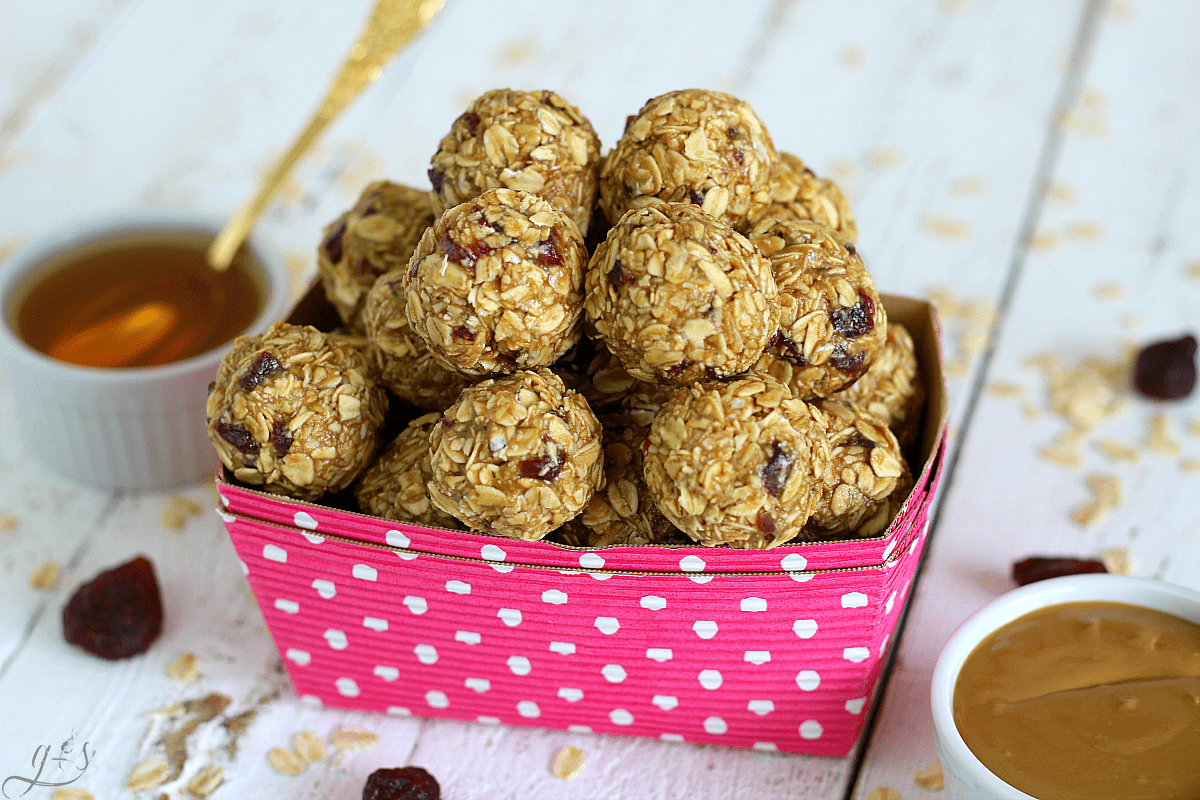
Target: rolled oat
46,576
798,194
394,486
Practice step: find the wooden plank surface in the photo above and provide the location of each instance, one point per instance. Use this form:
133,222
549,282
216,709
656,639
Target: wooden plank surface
938,118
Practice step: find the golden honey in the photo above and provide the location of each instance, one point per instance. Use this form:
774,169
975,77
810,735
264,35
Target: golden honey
137,301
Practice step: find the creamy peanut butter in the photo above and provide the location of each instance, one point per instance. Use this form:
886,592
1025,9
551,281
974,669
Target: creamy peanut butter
1087,701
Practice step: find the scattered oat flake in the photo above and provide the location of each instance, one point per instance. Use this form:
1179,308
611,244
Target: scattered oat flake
842,169
8,523
1193,271
1043,240
1064,450
1107,491
1007,391
518,51
1194,427
1120,11
45,576
946,228
310,747
1117,451
1087,231
884,793
148,774
1061,193
1190,465
1130,321
1159,438
567,763
956,368
178,510
971,186
72,793
285,761
1117,561
947,304
852,56
205,782
884,157
1112,290
184,668
931,777
351,738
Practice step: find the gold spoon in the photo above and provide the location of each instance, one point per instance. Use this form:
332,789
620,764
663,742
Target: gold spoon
393,24
117,340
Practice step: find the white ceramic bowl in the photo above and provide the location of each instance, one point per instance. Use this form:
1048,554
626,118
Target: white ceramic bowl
966,776
139,428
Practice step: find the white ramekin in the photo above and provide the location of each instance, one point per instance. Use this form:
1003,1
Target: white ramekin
966,776
140,428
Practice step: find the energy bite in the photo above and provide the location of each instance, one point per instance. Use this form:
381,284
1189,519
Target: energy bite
406,366
865,467
891,388
691,146
535,142
737,463
832,324
517,456
622,513
378,234
679,297
295,411
394,486
798,194
496,285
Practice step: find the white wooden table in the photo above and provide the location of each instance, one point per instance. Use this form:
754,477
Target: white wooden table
1033,158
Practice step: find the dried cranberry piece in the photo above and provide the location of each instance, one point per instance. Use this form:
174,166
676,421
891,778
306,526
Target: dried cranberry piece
618,275
731,133
696,197
777,470
237,435
467,256
281,438
1039,568
333,242
791,351
857,320
678,369
471,120
118,613
1166,370
547,253
764,522
850,248
851,364
265,365
364,268
542,468
401,783
436,179
462,332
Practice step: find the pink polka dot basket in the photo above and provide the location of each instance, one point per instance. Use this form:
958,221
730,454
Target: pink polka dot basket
775,650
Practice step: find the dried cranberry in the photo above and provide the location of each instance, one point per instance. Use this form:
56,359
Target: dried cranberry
857,320
739,157
436,179
237,435
462,332
265,365
542,468
547,254
281,438
467,256
791,351
1166,370
364,268
851,364
777,470
731,133
471,120
333,242
118,613
1039,568
677,370
695,197
401,783
618,275
764,522
849,245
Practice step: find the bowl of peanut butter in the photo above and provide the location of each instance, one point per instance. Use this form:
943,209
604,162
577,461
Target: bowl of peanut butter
1085,687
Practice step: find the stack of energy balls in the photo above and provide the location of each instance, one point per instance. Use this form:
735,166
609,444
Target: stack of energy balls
674,342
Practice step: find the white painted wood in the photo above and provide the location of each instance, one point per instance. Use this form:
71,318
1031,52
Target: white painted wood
107,105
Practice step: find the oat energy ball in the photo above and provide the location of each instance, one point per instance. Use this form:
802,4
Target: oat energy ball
691,146
798,194
536,142
622,513
679,297
496,285
295,411
892,389
378,234
737,463
405,365
832,324
516,456
394,486
865,467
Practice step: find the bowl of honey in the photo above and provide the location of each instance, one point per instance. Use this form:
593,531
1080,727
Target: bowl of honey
1084,687
112,331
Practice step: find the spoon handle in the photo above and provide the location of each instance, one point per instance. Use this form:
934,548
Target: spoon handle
392,25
